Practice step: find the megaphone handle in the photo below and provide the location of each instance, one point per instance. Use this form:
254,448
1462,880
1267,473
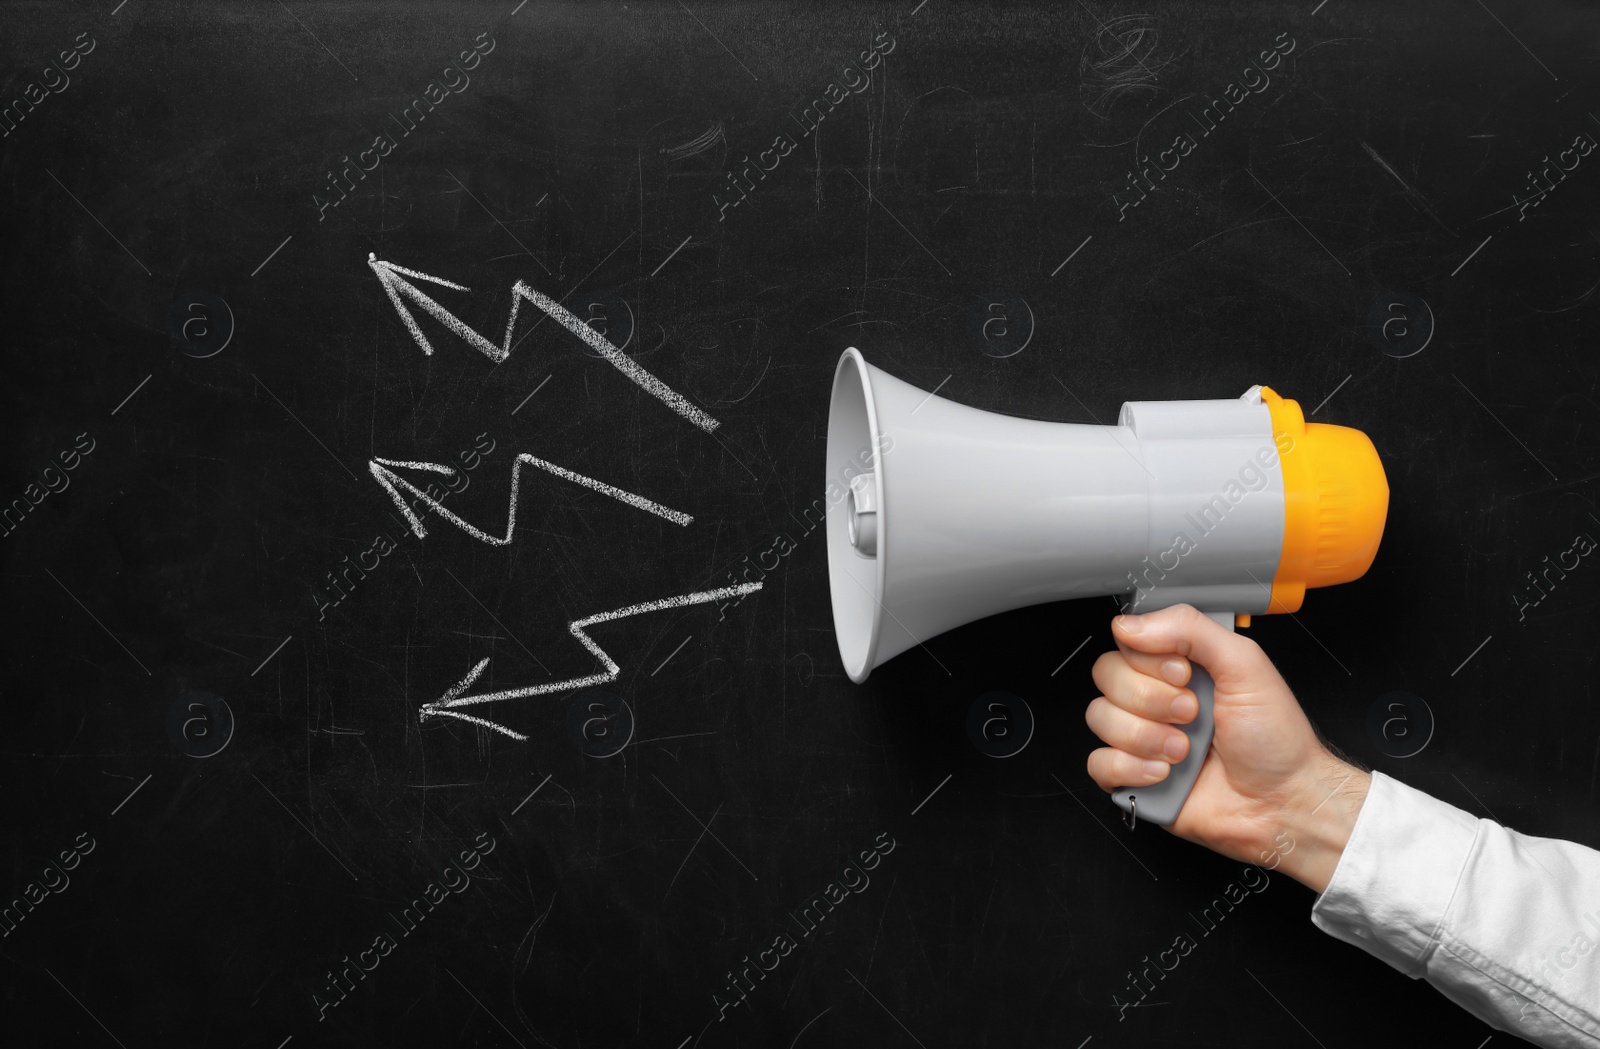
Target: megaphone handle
1161,802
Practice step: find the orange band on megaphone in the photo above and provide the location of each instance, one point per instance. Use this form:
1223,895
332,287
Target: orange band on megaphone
1335,502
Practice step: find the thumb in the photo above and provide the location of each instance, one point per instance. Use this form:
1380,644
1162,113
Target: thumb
1231,660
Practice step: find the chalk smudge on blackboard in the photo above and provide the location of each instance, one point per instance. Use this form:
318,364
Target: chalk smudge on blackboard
1123,64
697,145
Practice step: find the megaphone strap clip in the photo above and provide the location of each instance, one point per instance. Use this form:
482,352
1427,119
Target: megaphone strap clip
1133,813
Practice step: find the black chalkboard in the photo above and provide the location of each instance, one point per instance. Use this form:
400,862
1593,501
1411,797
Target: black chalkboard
207,206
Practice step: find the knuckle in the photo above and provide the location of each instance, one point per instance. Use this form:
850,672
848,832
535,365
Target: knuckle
1152,738
1130,769
1147,694
1110,768
1116,771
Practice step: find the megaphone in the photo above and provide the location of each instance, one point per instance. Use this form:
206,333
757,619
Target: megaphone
939,514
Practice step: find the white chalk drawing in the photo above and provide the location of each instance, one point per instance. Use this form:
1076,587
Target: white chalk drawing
392,482
392,278
446,705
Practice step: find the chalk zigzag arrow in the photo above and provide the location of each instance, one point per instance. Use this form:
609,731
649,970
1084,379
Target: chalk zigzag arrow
445,706
392,278
391,482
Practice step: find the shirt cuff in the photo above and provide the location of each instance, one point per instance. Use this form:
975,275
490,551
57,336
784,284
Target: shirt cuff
1395,879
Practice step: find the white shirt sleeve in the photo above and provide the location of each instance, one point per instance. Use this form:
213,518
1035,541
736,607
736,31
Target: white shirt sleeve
1505,925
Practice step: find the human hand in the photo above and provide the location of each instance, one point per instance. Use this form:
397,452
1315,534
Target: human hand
1269,786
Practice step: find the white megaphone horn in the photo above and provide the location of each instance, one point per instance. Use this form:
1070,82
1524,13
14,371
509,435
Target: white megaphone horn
939,514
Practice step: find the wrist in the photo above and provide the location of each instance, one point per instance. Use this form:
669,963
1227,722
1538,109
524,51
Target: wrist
1321,818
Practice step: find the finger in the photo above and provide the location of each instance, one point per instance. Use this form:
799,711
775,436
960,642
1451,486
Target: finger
1138,736
1169,667
1181,630
1111,768
1141,694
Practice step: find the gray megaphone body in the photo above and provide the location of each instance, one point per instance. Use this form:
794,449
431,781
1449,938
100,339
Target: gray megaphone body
939,514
